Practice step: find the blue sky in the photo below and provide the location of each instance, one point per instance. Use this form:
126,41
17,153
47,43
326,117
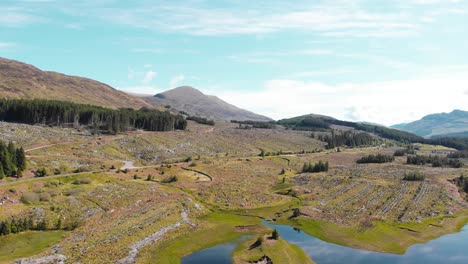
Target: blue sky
385,61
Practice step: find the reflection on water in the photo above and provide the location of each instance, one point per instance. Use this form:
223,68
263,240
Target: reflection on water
219,254
452,248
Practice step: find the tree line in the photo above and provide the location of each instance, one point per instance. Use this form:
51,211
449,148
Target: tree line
378,158
458,155
201,120
254,124
12,160
435,161
60,113
314,168
317,123
348,138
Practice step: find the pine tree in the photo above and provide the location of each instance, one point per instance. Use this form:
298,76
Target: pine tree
2,172
275,235
20,159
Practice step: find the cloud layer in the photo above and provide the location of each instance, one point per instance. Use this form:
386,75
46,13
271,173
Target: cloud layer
383,102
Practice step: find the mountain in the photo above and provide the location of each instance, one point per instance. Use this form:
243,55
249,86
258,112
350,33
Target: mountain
20,80
325,123
370,123
194,102
436,125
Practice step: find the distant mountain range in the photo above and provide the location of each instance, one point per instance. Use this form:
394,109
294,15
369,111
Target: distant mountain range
23,81
453,124
194,102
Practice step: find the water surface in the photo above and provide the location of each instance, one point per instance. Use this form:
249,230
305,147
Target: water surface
451,248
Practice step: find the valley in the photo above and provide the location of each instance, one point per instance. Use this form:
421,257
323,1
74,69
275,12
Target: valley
141,196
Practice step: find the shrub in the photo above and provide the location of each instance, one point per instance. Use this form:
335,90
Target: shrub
85,180
82,181
42,172
30,198
44,197
170,179
257,243
414,176
399,153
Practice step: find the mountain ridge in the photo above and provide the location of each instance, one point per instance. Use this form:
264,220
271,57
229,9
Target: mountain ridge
438,124
195,102
19,80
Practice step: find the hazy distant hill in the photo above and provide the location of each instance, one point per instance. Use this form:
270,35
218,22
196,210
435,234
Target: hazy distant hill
454,123
194,102
322,123
20,80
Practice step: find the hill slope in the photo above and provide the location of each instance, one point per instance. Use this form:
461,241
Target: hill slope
23,81
318,122
438,124
194,102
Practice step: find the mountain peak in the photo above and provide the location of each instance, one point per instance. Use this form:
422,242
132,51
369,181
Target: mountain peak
194,102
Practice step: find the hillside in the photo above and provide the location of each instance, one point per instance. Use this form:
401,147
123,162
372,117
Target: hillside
23,81
194,102
318,122
441,124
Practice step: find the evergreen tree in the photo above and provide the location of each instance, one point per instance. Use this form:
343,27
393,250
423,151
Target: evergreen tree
20,159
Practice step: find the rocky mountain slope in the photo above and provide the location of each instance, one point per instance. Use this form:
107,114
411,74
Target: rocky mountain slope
196,103
20,80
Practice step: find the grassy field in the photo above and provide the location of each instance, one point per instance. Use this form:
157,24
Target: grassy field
27,244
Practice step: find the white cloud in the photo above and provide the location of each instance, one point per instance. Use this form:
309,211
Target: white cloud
425,2
7,45
260,19
388,102
147,50
144,90
317,73
74,26
149,76
16,17
176,80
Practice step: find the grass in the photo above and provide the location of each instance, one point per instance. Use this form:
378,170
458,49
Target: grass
27,244
171,251
278,251
217,228
386,237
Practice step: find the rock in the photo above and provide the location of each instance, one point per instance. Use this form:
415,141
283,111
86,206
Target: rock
55,259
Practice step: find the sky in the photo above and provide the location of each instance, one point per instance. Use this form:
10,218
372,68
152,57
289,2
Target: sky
383,61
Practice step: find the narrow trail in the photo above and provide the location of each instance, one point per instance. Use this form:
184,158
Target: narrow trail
40,147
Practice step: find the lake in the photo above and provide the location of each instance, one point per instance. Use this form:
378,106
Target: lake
451,248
